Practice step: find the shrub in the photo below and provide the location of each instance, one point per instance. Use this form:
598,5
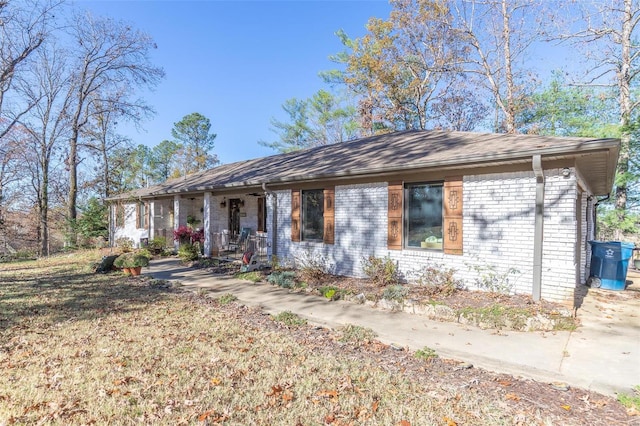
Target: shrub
439,280
491,280
227,298
382,271
125,244
331,293
313,267
426,353
290,319
284,279
356,334
254,276
188,252
131,260
157,245
395,292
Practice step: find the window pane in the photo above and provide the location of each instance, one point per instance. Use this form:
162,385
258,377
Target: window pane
312,215
423,209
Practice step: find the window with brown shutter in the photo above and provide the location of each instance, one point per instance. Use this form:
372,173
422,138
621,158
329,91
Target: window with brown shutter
329,216
453,215
262,214
394,216
142,215
295,215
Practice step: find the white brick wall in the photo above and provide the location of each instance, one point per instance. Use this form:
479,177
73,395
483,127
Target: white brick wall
498,226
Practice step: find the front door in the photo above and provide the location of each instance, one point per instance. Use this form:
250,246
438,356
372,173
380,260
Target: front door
234,217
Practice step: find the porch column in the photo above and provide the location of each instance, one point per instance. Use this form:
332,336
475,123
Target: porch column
207,223
112,224
152,219
176,219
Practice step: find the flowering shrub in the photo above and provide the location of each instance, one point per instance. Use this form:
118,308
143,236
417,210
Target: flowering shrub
197,236
185,234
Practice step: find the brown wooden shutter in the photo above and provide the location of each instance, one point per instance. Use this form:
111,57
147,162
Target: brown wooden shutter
137,215
261,215
394,216
452,232
147,213
329,216
295,215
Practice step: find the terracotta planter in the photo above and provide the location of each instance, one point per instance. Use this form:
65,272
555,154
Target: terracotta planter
136,271
127,271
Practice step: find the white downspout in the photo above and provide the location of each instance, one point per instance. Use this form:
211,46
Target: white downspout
538,234
274,219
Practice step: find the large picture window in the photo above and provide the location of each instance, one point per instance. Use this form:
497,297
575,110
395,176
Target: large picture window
312,215
423,216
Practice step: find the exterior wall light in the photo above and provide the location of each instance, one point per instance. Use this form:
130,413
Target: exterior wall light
566,172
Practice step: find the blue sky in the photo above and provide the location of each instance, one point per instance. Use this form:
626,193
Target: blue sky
236,62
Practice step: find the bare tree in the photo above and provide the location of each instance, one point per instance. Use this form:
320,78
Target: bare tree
24,26
499,34
608,39
47,126
112,59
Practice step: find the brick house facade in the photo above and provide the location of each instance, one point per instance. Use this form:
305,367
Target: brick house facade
503,209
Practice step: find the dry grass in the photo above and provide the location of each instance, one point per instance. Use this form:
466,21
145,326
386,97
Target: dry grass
79,348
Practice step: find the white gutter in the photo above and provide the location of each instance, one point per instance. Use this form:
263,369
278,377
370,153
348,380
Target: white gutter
538,233
274,219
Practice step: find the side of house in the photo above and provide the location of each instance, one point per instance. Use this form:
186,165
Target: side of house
495,234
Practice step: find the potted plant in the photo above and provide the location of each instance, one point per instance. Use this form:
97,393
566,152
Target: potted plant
131,263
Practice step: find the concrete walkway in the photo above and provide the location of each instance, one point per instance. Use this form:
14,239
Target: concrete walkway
602,355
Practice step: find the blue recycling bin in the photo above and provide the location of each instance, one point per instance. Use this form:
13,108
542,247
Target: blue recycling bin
609,264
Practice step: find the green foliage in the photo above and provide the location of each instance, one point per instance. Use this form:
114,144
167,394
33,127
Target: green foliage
188,252
356,334
226,298
395,292
611,223
320,120
131,260
439,280
163,160
290,319
381,271
426,354
284,279
93,221
631,401
253,276
193,134
331,293
157,245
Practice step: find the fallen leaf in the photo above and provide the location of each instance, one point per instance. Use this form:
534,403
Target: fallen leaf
512,396
275,390
505,383
374,406
449,421
215,381
566,407
404,423
328,393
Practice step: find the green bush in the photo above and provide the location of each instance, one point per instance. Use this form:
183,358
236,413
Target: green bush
284,279
395,292
227,298
157,245
131,260
188,252
381,271
356,334
290,319
426,353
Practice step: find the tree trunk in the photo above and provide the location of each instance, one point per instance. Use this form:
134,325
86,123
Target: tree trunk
509,112
73,189
624,83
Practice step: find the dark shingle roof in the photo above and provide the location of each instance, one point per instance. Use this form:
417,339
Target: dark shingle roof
400,151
